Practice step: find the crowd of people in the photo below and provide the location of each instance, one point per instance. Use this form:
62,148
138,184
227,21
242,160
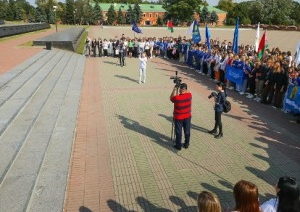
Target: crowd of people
265,80
246,198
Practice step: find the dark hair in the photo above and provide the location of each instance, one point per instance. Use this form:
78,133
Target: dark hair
223,86
183,86
288,195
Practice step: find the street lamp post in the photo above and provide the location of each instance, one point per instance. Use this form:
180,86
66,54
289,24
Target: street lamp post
54,9
74,12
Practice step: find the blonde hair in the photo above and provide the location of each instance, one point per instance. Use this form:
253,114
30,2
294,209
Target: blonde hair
208,202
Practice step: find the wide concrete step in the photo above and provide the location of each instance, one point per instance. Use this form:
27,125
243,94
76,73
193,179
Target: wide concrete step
38,106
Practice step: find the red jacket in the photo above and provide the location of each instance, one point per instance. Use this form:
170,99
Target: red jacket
182,106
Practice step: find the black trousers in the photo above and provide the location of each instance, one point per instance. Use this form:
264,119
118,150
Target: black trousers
218,121
184,124
121,58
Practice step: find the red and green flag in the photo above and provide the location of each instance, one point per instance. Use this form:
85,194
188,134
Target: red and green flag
263,45
170,26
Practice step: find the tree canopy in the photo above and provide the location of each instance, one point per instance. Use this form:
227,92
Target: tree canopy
277,12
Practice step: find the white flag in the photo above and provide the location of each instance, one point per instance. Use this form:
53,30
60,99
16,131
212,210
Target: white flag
190,30
297,58
257,38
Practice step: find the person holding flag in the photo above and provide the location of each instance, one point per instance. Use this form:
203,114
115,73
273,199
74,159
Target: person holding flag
263,45
135,28
170,26
207,36
235,43
257,38
196,33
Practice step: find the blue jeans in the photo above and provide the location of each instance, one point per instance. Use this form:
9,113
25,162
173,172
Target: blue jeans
184,124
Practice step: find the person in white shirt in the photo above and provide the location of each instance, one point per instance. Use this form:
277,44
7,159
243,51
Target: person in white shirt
105,47
287,200
142,68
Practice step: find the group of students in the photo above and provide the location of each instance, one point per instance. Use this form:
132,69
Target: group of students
266,80
111,47
246,197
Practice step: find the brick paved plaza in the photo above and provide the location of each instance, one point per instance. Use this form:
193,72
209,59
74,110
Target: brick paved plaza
114,151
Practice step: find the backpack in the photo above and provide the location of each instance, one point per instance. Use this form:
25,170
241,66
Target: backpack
227,106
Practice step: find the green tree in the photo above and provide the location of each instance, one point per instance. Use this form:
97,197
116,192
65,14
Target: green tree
129,15
277,11
88,14
214,18
69,13
295,14
11,11
111,15
120,17
159,21
256,12
204,15
3,9
241,10
97,12
181,10
137,13
40,15
20,13
226,5
79,11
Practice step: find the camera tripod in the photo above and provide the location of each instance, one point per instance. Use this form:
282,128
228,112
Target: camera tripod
173,133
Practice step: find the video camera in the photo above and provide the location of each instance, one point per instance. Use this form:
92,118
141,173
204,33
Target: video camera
213,94
176,80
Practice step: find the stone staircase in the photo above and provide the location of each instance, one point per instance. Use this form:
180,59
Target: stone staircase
39,101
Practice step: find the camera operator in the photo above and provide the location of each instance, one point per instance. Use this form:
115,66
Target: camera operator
182,114
220,98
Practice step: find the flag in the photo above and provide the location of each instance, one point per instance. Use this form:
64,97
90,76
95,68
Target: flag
207,35
135,28
257,38
297,58
263,44
235,43
170,26
190,30
196,32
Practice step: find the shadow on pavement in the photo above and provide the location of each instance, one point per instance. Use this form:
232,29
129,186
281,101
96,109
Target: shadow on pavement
157,137
84,209
127,78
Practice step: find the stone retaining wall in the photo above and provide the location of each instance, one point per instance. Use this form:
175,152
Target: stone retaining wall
272,27
67,39
19,29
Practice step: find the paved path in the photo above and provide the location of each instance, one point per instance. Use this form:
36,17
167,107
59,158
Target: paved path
105,139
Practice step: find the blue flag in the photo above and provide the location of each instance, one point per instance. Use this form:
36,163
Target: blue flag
196,33
207,35
235,43
135,28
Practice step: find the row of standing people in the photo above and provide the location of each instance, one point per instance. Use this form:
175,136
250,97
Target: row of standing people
246,197
111,47
265,80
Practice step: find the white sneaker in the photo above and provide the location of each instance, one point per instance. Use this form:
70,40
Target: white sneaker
241,93
250,96
231,88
